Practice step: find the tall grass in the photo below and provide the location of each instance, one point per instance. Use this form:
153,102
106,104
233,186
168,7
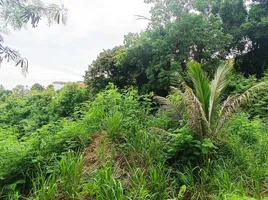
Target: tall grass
44,188
154,182
64,182
71,170
103,185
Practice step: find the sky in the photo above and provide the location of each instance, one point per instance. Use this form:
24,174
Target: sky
63,53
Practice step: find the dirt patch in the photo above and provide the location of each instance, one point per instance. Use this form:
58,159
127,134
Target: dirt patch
103,151
98,153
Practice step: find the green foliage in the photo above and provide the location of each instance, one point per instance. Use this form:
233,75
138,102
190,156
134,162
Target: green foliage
258,106
233,14
70,168
107,68
140,151
63,182
178,31
37,87
150,59
139,160
44,187
28,112
201,85
238,169
114,124
184,147
203,100
69,96
31,137
105,186
3,93
20,90
255,60
150,184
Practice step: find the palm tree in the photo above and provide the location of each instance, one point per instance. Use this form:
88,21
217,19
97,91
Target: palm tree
16,14
205,113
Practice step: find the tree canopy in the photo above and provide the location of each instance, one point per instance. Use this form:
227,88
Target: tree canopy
179,31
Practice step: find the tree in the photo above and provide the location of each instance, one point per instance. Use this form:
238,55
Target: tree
247,24
150,59
207,31
19,90
3,92
167,11
204,99
107,68
16,14
233,14
68,98
50,87
254,60
37,87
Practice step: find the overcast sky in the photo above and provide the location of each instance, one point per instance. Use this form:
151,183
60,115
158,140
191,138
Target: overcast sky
62,53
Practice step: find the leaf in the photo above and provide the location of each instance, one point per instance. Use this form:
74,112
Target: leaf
18,63
196,113
201,85
233,103
182,191
219,83
173,110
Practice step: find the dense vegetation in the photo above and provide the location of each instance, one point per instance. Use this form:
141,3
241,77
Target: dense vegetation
207,31
117,145
165,116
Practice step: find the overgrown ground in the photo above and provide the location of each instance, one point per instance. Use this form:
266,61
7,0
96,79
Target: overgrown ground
118,146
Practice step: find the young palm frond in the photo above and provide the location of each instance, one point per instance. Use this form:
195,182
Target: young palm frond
217,86
200,84
174,109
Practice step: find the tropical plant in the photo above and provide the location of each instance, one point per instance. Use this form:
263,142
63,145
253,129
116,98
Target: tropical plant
203,99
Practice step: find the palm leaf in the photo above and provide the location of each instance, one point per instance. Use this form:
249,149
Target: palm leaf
201,85
196,113
233,103
218,84
172,109
174,90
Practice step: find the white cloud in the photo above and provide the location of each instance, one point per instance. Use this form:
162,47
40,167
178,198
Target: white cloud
64,52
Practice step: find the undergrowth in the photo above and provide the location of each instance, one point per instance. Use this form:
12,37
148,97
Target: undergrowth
136,155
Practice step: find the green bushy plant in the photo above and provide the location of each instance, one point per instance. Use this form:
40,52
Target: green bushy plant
69,96
114,124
